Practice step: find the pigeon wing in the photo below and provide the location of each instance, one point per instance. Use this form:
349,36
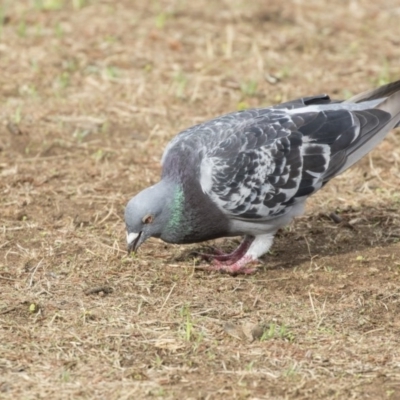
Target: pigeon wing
271,160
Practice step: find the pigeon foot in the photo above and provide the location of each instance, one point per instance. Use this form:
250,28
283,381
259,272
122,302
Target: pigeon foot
229,258
240,267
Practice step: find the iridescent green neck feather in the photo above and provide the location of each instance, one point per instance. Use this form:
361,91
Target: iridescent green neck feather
176,219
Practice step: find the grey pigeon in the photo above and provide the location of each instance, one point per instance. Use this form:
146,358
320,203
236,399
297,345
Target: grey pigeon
250,172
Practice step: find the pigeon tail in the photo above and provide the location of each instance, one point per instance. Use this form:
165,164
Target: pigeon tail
389,102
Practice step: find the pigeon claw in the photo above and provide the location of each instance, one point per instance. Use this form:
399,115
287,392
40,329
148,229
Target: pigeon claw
239,267
228,258
218,256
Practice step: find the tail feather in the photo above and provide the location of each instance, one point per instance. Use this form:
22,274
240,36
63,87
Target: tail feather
391,104
374,94
388,108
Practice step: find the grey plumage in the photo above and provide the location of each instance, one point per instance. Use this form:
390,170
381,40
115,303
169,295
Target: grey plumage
250,172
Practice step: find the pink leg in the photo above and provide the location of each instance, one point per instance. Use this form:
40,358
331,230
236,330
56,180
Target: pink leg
233,257
236,268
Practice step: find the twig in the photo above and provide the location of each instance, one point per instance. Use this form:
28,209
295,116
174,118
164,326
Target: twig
33,273
309,253
166,299
107,216
7,279
377,175
312,305
7,310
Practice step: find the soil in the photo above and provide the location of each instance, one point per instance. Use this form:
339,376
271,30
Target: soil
91,92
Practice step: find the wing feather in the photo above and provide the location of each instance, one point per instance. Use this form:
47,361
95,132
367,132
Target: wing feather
255,164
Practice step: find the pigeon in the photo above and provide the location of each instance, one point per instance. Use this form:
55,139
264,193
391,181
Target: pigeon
250,172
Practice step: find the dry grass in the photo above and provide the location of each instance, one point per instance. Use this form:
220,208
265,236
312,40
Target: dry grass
91,91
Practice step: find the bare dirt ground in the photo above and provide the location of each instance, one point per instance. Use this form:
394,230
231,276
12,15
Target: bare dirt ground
91,92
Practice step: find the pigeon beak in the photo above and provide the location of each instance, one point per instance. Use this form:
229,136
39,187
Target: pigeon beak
133,241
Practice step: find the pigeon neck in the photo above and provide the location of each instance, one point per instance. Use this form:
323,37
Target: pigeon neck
176,208
178,220
191,216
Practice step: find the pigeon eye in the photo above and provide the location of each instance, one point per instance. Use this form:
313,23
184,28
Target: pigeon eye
147,219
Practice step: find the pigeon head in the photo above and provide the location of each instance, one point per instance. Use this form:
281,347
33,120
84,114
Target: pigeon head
147,214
